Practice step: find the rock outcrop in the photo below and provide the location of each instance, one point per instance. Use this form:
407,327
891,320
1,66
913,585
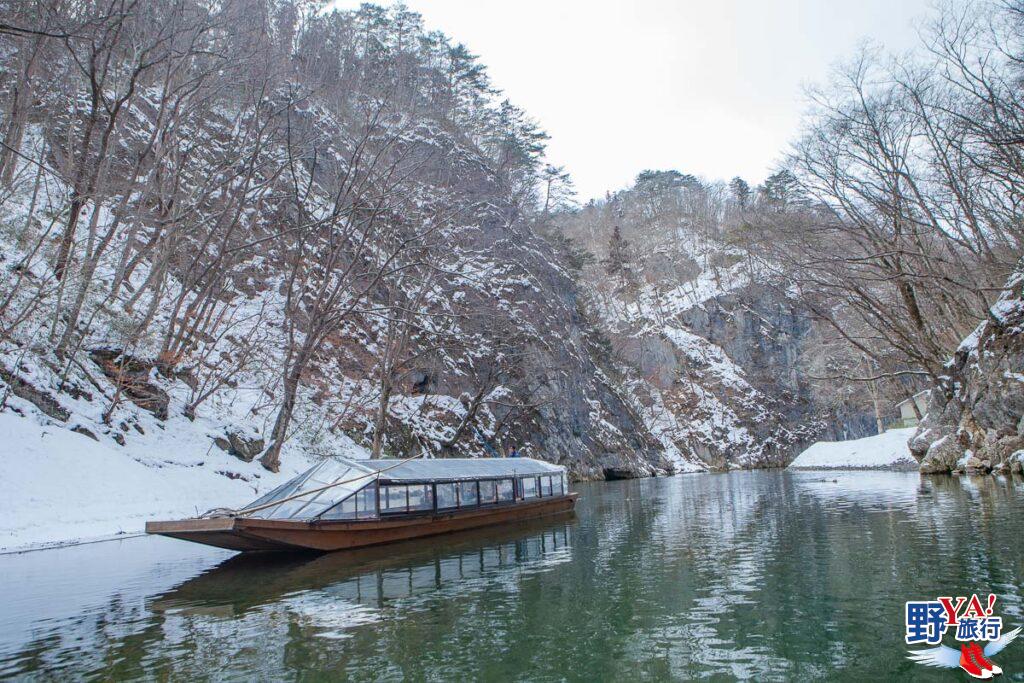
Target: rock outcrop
975,419
133,377
728,367
242,446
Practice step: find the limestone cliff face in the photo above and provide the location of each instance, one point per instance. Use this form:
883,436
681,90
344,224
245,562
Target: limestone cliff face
710,345
712,366
974,420
764,334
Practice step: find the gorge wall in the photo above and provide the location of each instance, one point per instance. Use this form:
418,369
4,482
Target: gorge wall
975,418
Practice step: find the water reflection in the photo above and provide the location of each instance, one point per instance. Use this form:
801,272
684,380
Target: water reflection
752,575
390,576
245,602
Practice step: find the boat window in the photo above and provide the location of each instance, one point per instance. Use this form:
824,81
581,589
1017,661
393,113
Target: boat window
420,497
529,487
360,505
394,498
468,494
366,505
446,496
565,483
346,509
348,506
545,483
488,492
506,491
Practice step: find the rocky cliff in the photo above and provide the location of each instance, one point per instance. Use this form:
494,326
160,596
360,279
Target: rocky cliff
711,345
718,379
975,418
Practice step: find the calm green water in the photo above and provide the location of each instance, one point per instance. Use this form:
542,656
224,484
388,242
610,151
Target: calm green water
753,575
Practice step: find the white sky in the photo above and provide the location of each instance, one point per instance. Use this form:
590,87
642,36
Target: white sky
709,87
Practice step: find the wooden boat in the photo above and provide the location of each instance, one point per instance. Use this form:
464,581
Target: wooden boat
342,503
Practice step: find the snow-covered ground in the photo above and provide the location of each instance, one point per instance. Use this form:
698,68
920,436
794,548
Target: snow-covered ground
59,486
887,450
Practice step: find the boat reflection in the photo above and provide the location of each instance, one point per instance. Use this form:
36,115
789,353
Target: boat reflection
373,577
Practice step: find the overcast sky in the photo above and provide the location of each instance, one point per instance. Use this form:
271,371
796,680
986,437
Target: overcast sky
709,87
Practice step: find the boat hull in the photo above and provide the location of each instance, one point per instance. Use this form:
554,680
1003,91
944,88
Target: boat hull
245,533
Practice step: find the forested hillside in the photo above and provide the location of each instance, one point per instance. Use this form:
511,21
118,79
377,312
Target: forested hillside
302,225
810,305
285,231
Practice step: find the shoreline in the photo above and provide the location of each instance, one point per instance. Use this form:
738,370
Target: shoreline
69,543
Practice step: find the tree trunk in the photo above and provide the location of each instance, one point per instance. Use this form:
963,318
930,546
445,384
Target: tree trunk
382,417
67,238
879,422
271,458
88,271
21,100
471,411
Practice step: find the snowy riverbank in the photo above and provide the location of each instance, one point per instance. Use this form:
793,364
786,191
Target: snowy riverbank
888,450
62,487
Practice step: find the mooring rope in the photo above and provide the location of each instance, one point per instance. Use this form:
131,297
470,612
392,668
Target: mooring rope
231,512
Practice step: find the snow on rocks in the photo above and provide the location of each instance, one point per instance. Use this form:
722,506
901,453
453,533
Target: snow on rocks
975,418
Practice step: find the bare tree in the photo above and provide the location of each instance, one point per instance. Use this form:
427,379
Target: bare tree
348,238
895,238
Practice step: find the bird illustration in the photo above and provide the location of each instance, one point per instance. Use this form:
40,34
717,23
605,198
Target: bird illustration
970,657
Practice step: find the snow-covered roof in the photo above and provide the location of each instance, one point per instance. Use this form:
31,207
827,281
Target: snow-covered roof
449,469
915,397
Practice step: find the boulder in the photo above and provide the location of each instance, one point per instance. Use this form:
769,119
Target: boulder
84,431
941,455
241,446
245,448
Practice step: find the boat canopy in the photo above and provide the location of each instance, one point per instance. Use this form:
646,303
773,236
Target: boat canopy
339,488
307,494
460,469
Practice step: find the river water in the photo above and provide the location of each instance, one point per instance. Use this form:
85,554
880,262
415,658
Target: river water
747,575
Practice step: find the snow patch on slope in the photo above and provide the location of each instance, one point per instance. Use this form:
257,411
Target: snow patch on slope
703,354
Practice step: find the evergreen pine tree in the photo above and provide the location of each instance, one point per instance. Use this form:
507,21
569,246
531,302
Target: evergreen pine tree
619,262
740,191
